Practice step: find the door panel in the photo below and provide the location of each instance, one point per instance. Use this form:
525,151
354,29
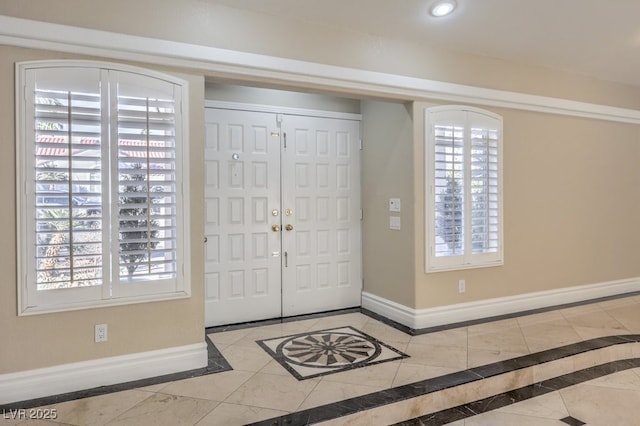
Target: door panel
307,171
242,189
321,189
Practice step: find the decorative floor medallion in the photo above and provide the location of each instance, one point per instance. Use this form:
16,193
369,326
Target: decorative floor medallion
317,353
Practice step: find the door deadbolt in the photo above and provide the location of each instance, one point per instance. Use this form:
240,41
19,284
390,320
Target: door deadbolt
289,227
288,212
275,212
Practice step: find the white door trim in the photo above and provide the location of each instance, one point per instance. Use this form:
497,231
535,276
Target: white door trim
274,109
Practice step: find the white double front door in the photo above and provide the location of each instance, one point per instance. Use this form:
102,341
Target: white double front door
283,215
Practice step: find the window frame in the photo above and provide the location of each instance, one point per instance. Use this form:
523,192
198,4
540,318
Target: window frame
30,300
466,260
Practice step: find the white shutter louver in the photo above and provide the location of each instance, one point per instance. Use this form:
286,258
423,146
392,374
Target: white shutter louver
449,194
146,188
484,190
68,199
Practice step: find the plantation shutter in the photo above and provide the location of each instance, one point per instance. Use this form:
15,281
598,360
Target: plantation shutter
484,182
449,193
64,140
146,180
100,185
463,202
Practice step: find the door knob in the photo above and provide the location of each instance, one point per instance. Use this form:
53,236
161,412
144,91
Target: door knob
275,228
289,227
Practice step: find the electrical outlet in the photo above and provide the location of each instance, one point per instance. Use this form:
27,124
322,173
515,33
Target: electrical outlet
101,333
462,287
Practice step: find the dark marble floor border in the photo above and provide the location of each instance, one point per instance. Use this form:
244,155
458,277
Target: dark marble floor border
436,384
216,364
572,421
518,395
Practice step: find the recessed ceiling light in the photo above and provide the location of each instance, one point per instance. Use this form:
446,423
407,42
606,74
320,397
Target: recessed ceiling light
443,8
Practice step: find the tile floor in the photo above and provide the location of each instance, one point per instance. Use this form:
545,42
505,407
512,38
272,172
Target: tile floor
572,366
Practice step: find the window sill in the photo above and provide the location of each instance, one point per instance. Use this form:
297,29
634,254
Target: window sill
434,269
49,309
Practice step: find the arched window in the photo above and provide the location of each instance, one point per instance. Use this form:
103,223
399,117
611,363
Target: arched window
463,188
101,152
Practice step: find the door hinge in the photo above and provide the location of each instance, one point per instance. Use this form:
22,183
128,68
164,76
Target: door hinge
361,214
284,135
361,145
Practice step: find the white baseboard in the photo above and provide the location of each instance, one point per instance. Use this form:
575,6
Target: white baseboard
42,382
451,314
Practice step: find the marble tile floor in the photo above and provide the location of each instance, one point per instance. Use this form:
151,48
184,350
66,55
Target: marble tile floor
570,366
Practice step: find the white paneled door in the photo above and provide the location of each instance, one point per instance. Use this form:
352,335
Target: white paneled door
283,218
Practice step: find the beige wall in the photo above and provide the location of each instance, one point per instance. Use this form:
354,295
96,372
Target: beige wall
571,203
571,196
51,339
571,200
207,23
387,172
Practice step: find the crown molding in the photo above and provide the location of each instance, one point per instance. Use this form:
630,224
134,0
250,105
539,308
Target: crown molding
245,66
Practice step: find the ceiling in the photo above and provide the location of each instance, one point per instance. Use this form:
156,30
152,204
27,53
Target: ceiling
599,38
